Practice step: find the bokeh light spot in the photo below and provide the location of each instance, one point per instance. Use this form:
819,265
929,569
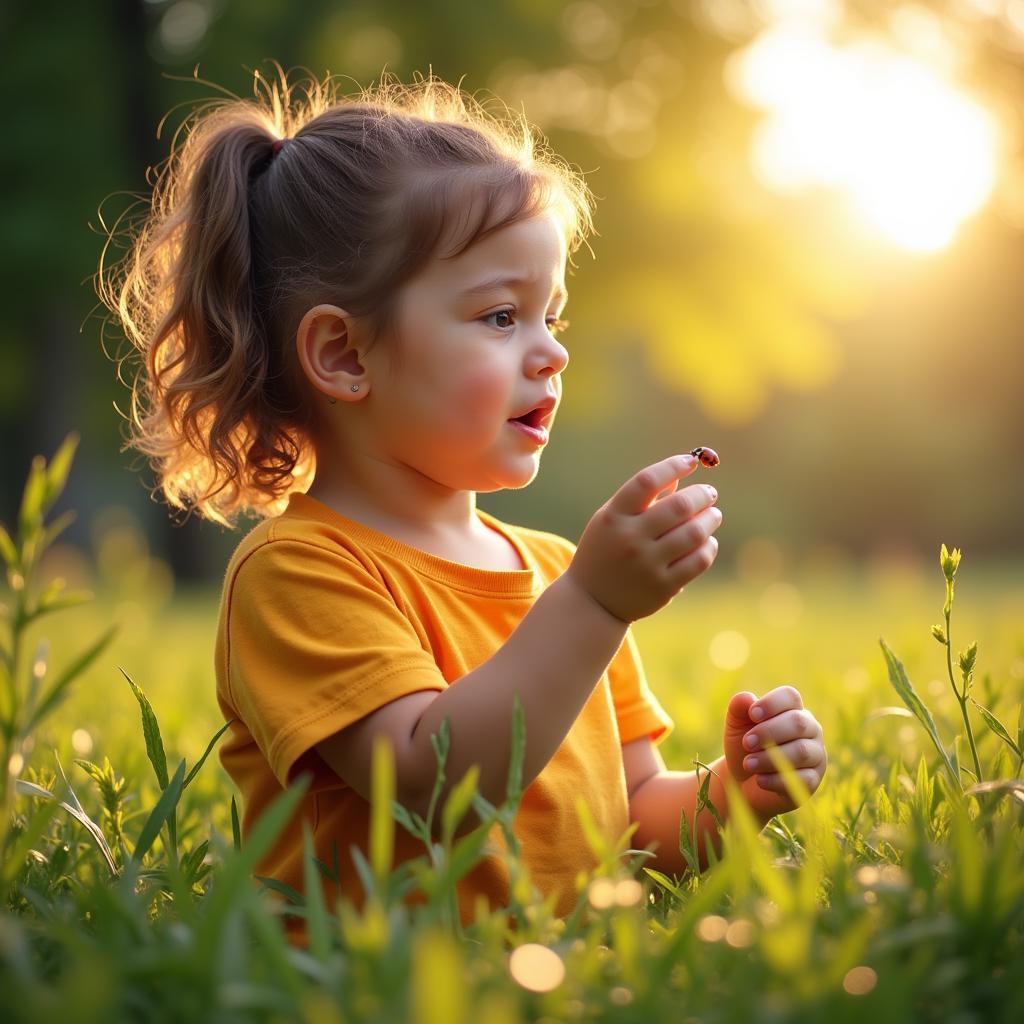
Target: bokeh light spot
601,893
860,980
729,650
81,742
712,928
628,892
740,933
536,967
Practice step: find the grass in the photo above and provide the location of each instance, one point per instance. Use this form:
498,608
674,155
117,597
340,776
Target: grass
894,894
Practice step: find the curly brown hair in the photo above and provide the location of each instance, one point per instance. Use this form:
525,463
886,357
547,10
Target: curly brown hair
237,243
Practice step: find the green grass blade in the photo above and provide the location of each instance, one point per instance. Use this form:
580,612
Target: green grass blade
67,786
514,789
466,853
458,803
415,827
686,845
57,527
997,727
364,871
31,510
56,475
275,885
31,789
199,764
12,860
666,883
164,807
8,552
49,605
236,831
1014,787
236,870
151,732
382,822
901,683
287,984
316,912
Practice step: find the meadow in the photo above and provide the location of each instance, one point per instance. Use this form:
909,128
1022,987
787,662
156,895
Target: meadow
895,893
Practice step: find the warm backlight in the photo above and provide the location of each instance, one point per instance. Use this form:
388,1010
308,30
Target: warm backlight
914,155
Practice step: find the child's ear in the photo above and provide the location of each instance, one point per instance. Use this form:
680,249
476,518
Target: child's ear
328,353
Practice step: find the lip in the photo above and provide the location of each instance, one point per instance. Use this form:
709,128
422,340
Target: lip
539,435
547,405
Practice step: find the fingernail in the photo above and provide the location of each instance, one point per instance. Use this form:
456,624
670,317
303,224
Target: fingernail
713,493
750,741
756,713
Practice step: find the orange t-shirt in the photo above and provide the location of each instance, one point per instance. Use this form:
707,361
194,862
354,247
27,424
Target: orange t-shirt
324,620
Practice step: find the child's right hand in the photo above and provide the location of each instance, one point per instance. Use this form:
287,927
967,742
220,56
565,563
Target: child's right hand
637,553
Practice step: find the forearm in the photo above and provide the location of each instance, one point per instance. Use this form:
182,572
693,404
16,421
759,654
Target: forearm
553,660
656,807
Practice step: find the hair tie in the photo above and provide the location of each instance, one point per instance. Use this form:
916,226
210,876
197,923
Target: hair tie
276,147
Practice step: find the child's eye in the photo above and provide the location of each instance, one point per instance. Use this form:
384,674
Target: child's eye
555,325
500,312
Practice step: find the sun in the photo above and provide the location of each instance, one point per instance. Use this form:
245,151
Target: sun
914,155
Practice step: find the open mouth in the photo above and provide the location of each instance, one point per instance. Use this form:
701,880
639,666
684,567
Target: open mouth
534,418
533,424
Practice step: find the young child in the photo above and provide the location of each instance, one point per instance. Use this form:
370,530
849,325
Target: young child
349,314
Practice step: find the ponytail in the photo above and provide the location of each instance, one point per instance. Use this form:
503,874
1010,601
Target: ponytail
213,406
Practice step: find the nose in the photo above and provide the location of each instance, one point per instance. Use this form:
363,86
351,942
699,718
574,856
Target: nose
550,356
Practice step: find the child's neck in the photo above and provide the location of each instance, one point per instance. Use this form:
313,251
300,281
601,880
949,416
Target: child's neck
466,539
453,515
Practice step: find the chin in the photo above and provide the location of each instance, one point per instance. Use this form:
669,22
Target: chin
510,481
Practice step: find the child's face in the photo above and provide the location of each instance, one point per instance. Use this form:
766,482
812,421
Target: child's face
469,362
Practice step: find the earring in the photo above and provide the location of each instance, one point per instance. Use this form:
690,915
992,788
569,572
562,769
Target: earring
355,387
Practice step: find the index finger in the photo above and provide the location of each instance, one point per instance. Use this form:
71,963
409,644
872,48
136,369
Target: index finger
774,702
637,493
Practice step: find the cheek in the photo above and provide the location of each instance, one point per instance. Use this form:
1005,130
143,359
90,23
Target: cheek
479,393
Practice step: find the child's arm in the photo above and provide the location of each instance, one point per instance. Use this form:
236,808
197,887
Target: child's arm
656,805
553,660
634,556
780,719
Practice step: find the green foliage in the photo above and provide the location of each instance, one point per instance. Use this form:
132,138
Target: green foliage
894,893
26,698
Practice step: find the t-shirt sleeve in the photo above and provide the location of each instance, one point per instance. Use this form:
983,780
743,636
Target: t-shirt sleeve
637,710
315,643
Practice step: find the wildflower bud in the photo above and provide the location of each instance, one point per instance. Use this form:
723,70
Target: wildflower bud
967,659
939,633
949,562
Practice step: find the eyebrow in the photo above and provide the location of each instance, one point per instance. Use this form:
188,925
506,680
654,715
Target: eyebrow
503,281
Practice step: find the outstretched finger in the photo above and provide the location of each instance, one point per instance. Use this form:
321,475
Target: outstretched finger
637,493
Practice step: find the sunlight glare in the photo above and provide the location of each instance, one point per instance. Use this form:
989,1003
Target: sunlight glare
913,154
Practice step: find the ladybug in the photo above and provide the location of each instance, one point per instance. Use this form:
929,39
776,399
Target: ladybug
708,457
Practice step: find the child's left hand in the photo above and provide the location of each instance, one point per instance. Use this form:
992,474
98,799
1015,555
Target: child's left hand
792,728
